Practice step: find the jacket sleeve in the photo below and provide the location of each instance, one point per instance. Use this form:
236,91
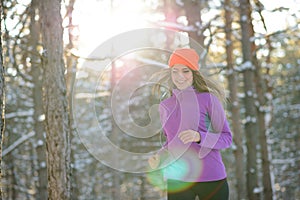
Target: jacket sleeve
218,136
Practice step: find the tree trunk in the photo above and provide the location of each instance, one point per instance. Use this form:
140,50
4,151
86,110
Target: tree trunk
36,73
13,182
261,88
39,130
235,107
251,127
170,12
265,153
193,14
116,193
71,63
2,94
55,102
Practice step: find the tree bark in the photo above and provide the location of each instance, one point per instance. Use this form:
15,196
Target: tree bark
251,127
261,88
55,102
2,102
36,73
193,14
71,64
264,148
234,106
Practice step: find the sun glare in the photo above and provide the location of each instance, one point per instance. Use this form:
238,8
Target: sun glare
101,20
283,19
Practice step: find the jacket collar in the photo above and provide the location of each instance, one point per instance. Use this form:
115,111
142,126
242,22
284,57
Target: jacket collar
177,92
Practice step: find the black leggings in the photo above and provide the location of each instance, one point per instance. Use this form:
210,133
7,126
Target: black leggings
214,190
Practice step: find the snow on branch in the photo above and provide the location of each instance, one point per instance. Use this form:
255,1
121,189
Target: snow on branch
27,113
245,66
20,141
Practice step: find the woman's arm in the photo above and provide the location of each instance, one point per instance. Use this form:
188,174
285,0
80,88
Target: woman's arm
221,136
162,154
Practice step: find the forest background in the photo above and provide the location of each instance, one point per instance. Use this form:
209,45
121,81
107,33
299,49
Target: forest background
67,66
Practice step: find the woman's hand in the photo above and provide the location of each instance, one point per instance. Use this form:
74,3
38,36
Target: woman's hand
189,136
154,161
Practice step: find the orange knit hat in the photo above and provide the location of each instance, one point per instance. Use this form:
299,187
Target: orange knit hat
185,56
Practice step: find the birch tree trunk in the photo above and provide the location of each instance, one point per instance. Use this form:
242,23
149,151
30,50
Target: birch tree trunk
55,101
2,94
234,106
251,127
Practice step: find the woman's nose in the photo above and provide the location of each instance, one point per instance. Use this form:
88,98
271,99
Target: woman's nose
180,75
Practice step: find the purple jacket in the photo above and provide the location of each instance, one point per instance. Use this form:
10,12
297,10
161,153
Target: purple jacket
202,112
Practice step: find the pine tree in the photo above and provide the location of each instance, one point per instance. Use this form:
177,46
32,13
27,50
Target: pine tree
55,101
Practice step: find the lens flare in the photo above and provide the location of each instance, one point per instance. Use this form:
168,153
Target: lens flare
178,186
177,170
187,169
156,178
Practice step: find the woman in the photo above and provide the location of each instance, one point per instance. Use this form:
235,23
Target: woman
196,129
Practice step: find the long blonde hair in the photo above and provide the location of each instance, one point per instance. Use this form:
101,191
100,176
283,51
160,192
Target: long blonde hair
164,85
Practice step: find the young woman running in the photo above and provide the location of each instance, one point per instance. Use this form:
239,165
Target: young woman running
196,129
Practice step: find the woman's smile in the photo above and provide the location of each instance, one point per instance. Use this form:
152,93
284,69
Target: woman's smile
182,76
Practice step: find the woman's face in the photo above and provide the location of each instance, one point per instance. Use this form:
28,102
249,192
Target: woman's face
182,76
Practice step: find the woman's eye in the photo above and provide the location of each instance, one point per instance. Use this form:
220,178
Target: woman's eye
186,71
